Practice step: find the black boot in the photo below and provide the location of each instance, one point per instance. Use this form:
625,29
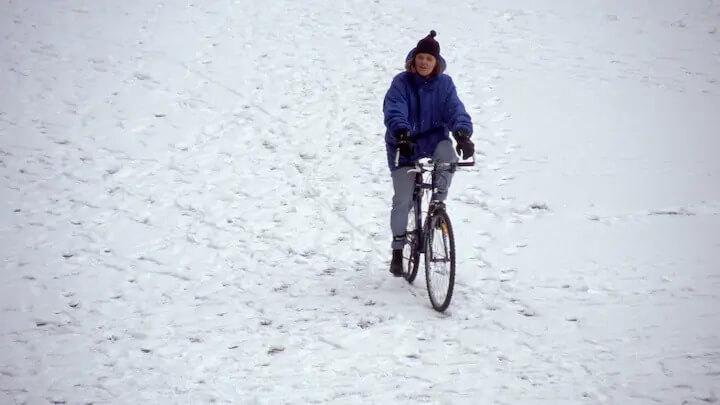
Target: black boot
396,265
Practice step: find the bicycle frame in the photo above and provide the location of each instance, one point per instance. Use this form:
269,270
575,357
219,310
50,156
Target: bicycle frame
421,187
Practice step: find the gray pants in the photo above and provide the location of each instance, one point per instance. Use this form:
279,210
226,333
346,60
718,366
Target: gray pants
403,183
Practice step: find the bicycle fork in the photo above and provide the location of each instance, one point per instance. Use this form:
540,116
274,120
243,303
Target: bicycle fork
417,203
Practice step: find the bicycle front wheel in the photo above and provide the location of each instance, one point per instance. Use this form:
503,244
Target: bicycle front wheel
440,260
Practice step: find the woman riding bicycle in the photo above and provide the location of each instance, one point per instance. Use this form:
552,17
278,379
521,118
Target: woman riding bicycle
421,108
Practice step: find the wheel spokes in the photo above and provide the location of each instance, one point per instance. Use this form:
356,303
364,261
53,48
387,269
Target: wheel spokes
440,263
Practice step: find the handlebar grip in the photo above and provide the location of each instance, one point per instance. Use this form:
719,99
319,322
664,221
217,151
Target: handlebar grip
467,164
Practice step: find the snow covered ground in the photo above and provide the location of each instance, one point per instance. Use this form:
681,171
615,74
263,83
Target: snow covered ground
195,204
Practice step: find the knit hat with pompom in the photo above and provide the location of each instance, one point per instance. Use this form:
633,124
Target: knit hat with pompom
429,45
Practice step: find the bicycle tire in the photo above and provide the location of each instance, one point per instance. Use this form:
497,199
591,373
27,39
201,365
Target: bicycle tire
411,251
439,221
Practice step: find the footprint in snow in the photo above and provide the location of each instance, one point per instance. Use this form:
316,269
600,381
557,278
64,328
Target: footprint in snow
497,165
507,275
275,350
492,102
501,117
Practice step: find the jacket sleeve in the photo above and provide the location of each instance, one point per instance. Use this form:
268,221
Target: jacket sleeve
454,113
395,107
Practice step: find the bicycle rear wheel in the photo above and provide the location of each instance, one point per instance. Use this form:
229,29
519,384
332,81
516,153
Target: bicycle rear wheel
440,260
411,251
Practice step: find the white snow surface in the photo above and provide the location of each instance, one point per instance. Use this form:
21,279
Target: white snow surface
195,204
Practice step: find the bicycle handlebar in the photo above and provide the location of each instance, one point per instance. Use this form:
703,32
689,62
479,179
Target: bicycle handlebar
458,164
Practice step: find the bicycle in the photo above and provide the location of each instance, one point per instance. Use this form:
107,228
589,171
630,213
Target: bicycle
437,247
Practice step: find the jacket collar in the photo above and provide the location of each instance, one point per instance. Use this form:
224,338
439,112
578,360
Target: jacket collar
419,80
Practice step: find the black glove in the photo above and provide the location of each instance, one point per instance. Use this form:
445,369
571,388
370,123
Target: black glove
406,146
464,144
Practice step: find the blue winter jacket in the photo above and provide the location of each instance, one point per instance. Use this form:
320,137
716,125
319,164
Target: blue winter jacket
428,108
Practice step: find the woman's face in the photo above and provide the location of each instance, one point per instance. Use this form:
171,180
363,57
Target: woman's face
424,64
